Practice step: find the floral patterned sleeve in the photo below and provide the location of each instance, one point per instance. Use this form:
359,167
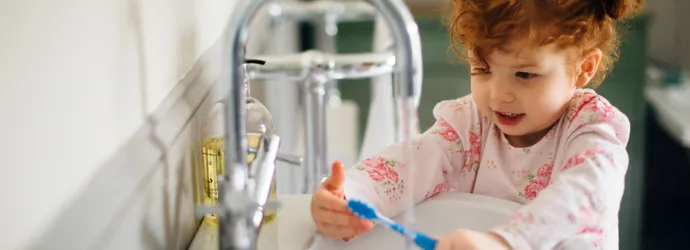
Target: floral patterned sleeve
388,180
579,207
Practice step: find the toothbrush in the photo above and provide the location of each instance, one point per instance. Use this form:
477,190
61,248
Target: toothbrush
367,212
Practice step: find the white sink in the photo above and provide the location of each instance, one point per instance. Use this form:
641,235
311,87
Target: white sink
293,228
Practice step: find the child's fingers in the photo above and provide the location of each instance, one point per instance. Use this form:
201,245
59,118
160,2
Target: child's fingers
339,219
329,201
334,231
337,232
334,182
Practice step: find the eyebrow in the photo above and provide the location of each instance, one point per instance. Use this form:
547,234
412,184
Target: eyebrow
524,65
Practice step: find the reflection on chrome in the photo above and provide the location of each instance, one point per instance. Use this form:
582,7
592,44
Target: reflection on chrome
237,194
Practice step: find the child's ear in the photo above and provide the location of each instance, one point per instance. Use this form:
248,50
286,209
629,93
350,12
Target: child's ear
588,67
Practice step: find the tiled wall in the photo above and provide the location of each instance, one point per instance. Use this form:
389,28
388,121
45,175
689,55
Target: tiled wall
143,197
96,127
96,131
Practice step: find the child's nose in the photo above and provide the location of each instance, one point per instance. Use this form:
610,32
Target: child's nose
500,92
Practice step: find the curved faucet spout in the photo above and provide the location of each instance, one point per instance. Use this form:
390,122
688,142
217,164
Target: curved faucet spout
341,11
235,197
235,216
408,54
408,46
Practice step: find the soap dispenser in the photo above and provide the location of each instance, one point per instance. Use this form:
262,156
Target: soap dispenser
258,122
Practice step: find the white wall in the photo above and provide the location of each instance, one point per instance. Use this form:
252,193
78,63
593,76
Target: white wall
77,79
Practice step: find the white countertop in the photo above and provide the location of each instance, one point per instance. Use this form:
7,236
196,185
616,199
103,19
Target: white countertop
672,107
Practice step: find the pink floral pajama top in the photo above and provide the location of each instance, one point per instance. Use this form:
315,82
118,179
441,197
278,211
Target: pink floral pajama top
571,182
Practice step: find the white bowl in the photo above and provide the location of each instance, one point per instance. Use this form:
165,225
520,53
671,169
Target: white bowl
293,228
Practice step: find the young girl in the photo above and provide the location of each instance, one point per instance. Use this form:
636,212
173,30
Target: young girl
530,132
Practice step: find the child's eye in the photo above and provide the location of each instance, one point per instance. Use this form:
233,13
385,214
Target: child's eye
479,71
525,75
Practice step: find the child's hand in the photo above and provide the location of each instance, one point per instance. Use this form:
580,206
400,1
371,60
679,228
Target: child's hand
472,240
330,213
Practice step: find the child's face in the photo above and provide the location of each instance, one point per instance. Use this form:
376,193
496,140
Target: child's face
527,89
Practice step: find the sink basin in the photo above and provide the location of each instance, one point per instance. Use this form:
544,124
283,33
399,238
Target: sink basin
439,216
293,228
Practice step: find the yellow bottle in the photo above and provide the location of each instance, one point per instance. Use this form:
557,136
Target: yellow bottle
214,157
213,148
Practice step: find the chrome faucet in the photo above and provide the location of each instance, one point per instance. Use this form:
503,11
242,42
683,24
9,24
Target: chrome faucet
237,203
326,15
329,11
314,69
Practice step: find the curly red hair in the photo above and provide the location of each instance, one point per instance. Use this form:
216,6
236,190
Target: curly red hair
483,25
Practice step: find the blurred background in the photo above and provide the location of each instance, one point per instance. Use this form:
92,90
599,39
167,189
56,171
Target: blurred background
104,105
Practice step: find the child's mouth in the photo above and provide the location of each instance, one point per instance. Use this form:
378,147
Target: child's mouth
509,119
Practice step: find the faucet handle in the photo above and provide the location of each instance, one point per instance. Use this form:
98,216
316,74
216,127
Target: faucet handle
283,157
290,159
263,167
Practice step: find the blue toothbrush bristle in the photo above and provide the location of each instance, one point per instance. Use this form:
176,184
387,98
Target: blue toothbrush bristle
367,212
362,209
